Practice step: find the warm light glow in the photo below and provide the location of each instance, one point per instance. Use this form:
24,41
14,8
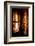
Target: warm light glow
16,17
17,27
17,23
25,21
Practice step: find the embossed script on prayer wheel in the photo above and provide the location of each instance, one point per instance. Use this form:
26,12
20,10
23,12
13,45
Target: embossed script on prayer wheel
16,24
25,22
